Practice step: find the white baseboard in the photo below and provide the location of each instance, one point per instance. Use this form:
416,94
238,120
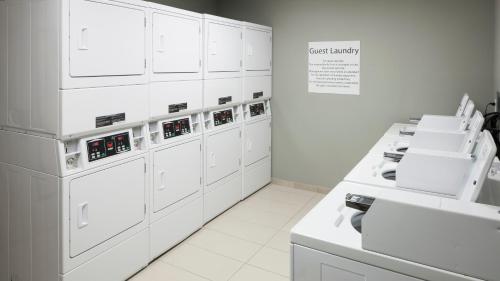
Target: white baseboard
303,186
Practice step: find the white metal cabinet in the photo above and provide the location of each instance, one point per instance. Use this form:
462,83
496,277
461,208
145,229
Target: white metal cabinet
257,143
106,203
176,43
177,173
106,39
312,265
258,50
223,154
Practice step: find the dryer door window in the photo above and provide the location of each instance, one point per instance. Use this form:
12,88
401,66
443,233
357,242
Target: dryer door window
257,141
106,39
177,173
258,49
176,44
223,154
105,203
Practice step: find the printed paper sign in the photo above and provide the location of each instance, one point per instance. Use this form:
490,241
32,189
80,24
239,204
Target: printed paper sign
334,67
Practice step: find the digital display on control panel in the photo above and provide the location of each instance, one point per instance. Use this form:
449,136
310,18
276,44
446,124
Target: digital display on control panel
223,117
257,109
176,128
108,146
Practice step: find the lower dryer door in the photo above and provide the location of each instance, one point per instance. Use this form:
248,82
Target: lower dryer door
257,141
177,173
106,203
223,154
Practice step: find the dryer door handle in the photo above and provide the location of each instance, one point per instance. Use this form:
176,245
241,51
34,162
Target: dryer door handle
161,44
83,215
213,161
162,185
84,38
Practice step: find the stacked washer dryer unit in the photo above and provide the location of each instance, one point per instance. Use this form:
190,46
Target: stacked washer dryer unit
257,89
73,150
222,116
175,127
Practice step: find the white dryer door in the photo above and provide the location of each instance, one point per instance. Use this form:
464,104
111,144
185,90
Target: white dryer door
258,50
257,141
224,52
105,203
176,44
177,173
106,39
223,154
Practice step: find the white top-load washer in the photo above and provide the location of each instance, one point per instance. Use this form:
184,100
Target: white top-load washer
75,208
404,236
435,122
79,68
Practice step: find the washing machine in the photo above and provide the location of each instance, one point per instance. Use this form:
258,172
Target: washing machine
74,209
222,159
256,146
70,69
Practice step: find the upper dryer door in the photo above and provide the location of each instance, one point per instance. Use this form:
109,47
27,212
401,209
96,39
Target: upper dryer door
258,50
106,39
224,48
176,44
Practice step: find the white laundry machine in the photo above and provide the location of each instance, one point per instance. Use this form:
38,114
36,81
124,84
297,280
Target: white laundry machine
222,159
74,209
72,64
256,146
176,181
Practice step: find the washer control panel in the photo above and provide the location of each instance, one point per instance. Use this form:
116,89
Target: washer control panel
176,128
108,146
257,109
223,117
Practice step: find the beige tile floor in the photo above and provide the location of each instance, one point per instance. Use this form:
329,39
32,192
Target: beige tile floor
249,242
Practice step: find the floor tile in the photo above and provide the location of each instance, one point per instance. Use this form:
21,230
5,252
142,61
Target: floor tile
280,241
257,216
244,230
202,262
160,271
224,244
292,197
267,205
251,273
272,260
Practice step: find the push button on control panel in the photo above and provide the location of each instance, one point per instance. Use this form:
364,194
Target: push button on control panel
223,117
108,146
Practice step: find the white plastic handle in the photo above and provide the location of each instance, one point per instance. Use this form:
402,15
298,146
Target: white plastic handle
212,48
83,215
212,160
249,145
84,38
162,181
161,47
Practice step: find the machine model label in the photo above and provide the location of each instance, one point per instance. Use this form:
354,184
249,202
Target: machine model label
108,120
223,117
176,128
108,146
258,95
174,108
257,109
225,100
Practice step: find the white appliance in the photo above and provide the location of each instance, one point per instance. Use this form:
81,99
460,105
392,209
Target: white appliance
176,181
419,166
176,74
74,210
69,65
256,146
405,236
222,159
